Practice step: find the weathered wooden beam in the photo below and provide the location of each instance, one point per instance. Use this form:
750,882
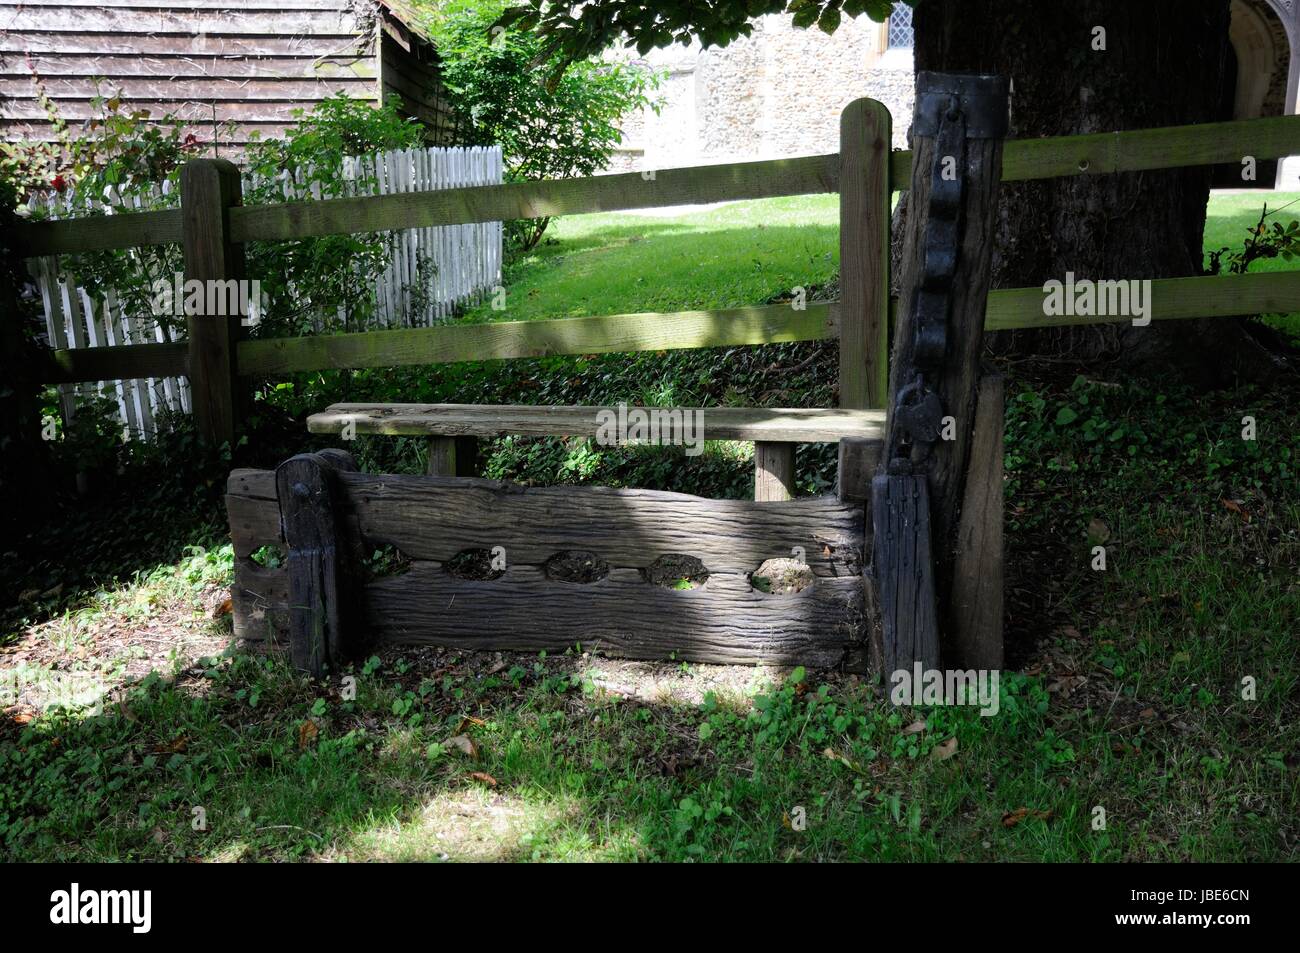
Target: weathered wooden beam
859,458
947,252
1136,150
323,622
723,621
434,518
794,425
96,233
975,607
773,471
766,178
452,456
1204,296
1008,308
604,334
864,254
903,573
210,189
259,599
120,362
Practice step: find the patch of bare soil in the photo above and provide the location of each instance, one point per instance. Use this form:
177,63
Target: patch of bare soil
114,646
657,683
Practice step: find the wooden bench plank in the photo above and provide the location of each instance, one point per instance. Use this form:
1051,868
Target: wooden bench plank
794,425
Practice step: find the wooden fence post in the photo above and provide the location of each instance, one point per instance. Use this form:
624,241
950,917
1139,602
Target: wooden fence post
773,471
453,456
957,135
209,189
865,136
323,591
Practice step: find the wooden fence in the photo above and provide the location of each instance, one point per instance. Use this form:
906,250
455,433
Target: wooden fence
865,174
431,272
321,509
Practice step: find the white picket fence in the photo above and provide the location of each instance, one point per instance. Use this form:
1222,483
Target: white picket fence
431,273
73,319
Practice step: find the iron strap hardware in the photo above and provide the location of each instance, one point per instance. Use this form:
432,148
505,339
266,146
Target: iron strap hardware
950,109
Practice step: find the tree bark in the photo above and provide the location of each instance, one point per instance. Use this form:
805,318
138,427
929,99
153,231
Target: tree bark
26,472
1163,64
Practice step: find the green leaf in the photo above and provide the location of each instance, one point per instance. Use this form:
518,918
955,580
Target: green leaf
829,21
1066,415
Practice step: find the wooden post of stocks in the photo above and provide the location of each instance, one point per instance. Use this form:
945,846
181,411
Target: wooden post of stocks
209,189
773,471
983,104
453,456
974,622
864,254
323,595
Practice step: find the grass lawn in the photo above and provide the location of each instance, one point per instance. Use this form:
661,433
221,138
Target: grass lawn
738,254
1163,691
745,253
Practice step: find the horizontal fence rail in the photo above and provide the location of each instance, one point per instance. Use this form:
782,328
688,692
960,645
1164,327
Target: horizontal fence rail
96,233
1093,154
1137,150
520,339
1008,309
603,193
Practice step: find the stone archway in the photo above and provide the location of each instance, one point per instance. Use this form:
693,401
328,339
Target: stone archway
1265,75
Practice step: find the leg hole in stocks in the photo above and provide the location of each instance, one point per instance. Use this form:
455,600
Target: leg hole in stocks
676,571
781,577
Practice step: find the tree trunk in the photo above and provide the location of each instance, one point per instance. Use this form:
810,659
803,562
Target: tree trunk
26,480
1163,65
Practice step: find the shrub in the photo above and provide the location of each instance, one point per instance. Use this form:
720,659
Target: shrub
550,125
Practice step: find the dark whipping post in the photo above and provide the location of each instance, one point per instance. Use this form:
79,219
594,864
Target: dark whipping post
957,131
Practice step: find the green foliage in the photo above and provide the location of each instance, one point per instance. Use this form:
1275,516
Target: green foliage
1132,433
334,274
546,131
118,157
116,150
575,31
134,155
1264,240
144,503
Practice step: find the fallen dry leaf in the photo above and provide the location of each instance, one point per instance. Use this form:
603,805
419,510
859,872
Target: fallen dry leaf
1236,507
1098,531
484,777
467,721
226,607
1012,818
915,727
944,750
849,763
462,743
307,733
